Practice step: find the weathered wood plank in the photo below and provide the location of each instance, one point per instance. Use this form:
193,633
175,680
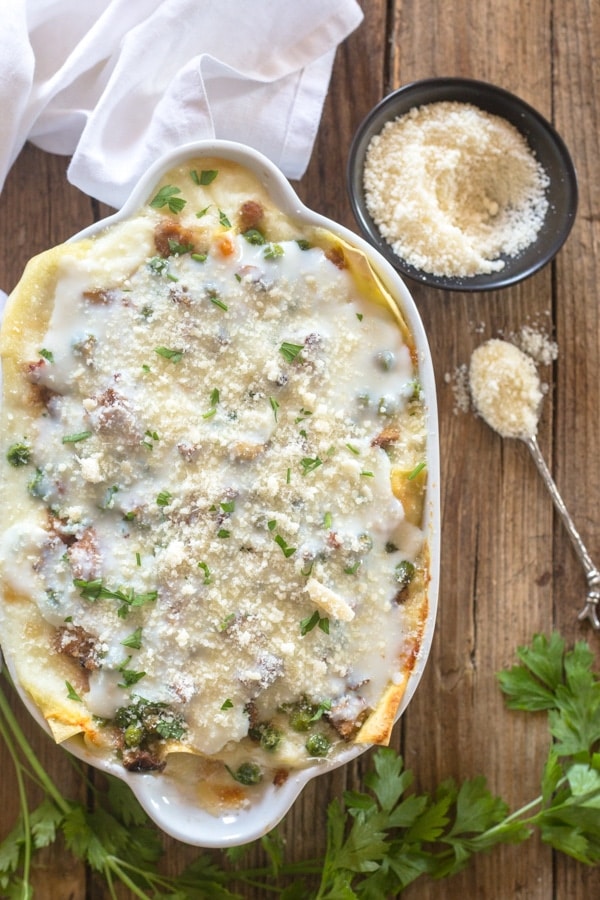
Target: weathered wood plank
508,570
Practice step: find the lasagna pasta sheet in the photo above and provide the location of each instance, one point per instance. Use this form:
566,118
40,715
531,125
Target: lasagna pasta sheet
214,470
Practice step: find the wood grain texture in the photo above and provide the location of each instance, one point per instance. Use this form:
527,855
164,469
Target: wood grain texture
508,570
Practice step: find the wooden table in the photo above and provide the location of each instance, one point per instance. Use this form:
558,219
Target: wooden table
508,570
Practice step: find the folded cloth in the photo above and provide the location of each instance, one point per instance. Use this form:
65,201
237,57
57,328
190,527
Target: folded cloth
116,83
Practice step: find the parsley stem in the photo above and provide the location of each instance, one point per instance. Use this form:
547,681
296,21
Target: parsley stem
37,769
23,804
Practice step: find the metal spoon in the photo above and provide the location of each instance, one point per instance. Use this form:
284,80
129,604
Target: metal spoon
590,610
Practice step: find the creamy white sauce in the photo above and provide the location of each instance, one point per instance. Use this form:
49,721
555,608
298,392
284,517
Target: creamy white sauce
266,468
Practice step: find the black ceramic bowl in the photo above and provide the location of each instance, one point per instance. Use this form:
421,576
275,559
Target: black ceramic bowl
547,145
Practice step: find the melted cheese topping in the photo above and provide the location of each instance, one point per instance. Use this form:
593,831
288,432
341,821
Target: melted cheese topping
216,516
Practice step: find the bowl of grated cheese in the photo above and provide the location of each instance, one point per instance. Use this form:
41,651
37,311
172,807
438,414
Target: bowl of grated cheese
461,185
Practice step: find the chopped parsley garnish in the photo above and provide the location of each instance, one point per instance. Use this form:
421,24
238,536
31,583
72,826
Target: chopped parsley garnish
290,351
272,524
417,469
95,590
327,520
302,415
134,640
151,436
254,236
359,316
47,354
164,498
19,454
224,220
177,249
158,266
174,356
109,497
206,176
72,693
323,707
303,244
227,621
202,212
75,438
353,449
368,474
274,406
309,465
207,576
312,621
227,704
273,251
129,675
167,196
210,413
215,396
285,548
353,569
223,533
214,298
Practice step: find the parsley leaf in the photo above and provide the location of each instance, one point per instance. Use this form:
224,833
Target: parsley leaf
167,196
290,351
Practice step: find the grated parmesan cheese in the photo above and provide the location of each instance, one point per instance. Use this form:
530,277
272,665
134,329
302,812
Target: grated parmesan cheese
453,189
505,388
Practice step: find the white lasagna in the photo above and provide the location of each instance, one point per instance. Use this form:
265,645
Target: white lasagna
213,471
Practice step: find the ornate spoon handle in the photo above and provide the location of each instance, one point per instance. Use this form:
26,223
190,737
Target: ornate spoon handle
590,610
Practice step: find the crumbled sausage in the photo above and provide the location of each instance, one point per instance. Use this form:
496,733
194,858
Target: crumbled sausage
102,296
188,451
168,235
84,556
336,256
113,414
138,760
79,644
347,716
388,436
250,215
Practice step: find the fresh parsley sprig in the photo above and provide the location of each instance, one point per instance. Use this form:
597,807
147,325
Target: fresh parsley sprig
379,840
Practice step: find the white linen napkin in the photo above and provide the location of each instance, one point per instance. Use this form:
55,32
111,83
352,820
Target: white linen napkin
115,83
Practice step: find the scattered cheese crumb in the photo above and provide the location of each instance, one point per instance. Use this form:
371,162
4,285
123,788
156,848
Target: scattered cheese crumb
330,602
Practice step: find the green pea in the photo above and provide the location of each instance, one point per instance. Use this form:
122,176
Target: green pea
248,773
19,455
405,572
318,744
386,360
132,735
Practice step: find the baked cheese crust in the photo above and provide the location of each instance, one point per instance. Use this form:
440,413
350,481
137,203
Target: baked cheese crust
214,469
